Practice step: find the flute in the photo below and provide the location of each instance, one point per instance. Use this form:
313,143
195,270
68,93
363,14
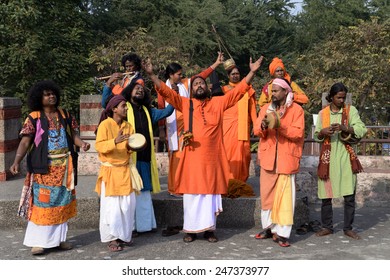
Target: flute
107,77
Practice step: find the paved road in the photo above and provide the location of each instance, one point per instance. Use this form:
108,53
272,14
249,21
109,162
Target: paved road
373,224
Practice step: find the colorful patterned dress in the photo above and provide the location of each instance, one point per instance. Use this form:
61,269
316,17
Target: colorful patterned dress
48,200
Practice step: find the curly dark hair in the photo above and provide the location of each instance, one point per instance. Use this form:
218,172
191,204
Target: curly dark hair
337,87
36,92
133,58
126,92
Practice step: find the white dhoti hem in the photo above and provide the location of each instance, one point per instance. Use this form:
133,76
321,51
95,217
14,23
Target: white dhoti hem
144,213
201,211
280,230
116,216
45,236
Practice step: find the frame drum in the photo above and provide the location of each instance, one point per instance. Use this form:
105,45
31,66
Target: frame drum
273,119
137,142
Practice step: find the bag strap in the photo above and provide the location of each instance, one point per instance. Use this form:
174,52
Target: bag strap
190,116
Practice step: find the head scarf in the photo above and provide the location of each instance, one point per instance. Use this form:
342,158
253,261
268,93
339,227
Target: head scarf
114,101
282,83
277,62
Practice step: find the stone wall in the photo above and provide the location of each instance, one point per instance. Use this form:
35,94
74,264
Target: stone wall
10,125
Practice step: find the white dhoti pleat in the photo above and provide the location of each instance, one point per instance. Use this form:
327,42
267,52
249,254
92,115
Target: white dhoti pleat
116,216
201,211
144,213
45,236
266,221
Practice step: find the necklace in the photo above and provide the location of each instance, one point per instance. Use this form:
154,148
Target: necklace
54,119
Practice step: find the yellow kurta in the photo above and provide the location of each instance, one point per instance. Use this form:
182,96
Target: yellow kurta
116,177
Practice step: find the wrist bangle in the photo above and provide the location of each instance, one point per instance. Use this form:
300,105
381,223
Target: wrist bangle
345,138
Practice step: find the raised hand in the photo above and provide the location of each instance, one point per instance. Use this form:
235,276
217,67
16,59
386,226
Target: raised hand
147,66
254,66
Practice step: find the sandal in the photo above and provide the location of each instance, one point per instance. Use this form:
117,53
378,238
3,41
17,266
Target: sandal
124,243
169,231
315,226
265,234
114,246
209,235
189,237
303,229
282,241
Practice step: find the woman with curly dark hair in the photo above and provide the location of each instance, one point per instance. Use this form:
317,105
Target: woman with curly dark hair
48,199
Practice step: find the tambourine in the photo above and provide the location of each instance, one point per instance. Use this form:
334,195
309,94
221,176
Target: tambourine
137,142
273,120
350,139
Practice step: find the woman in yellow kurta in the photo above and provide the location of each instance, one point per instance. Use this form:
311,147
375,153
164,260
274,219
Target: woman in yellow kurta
236,128
117,199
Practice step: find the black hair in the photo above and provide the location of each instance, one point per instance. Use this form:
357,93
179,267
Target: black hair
235,67
146,101
133,58
337,87
172,68
36,92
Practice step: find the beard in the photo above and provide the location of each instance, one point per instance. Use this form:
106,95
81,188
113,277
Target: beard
201,94
275,103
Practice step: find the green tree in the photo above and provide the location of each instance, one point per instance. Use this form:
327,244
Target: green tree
43,40
320,19
358,56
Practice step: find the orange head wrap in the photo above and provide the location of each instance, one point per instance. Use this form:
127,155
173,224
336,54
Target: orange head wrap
277,62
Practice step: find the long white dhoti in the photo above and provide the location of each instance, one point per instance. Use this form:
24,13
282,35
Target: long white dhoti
201,211
266,221
45,236
144,213
116,216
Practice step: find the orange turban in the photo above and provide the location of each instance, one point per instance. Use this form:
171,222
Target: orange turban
277,62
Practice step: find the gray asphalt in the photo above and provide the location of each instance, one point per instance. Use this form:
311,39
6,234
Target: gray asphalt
373,224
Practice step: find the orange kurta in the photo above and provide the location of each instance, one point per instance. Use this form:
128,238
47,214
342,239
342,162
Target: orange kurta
203,166
174,155
236,135
280,150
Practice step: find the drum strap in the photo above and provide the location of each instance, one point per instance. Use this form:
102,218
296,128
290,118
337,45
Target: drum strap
190,116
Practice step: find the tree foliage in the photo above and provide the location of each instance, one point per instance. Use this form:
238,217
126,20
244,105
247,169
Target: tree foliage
43,40
358,56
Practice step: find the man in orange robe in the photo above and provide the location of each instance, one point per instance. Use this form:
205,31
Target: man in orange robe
236,128
174,123
203,171
280,150
277,70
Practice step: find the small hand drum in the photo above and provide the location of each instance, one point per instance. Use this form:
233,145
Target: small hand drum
273,120
137,142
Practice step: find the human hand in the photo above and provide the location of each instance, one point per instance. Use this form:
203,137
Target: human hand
85,146
114,77
327,131
147,66
339,127
264,123
254,66
14,169
121,137
220,58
